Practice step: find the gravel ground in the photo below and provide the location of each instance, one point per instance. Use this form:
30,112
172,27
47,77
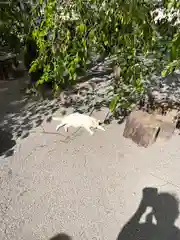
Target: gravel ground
88,187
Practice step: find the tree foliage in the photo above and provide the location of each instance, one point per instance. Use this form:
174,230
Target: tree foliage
14,23
172,7
70,34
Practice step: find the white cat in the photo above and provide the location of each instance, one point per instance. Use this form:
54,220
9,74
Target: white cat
78,120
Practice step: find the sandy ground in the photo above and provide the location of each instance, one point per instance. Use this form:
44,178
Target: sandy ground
86,186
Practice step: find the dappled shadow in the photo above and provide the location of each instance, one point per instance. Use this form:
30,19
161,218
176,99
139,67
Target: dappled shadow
18,73
20,113
164,210
93,91
96,92
61,236
167,90
169,87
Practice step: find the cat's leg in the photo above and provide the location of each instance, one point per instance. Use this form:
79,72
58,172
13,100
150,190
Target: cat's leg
100,128
89,130
66,127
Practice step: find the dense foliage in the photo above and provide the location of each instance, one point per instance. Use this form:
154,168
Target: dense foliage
172,7
70,34
14,23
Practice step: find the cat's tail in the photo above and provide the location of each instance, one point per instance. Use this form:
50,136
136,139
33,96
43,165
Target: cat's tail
57,119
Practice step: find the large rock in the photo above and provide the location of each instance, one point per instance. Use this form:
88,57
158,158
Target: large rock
144,128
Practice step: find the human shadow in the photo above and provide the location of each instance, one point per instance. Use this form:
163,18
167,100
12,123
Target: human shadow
61,236
165,210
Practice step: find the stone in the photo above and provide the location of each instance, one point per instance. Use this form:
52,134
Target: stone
142,128
168,124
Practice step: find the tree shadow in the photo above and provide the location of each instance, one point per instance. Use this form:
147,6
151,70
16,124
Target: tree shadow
61,236
170,86
166,90
92,89
6,143
164,208
21,113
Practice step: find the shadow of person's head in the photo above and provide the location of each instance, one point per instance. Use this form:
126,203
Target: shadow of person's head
61,236
166,209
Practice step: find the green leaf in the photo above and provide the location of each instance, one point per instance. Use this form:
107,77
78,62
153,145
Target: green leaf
82,28
114,103
164,73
